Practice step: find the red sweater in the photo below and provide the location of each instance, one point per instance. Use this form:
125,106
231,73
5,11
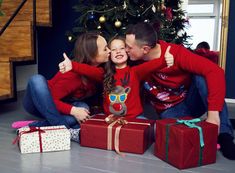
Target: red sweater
170,85
125,99
68,85
211,55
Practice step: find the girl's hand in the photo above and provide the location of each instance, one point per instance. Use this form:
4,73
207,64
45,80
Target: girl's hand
81,114
169,57
65,65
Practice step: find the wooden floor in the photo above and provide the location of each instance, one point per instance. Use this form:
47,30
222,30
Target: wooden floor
82,159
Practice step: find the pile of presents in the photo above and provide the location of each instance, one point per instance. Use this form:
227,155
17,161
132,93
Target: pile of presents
183,143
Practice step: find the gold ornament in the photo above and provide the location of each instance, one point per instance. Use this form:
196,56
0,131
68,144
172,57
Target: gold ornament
102,19
118,23
163,7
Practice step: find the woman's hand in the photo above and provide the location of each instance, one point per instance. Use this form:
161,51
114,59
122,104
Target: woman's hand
65,65
81,114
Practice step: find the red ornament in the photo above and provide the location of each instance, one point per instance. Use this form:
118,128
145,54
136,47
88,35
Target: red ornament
168,13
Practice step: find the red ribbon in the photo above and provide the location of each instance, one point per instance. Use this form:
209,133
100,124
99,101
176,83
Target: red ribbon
31,130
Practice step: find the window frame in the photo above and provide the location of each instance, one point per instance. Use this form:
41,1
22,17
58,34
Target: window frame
215,15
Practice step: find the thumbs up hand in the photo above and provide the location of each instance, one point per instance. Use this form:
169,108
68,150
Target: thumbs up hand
169,57
65,65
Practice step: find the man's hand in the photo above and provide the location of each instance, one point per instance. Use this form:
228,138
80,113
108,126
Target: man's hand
169,57
65,65
81,114
213,117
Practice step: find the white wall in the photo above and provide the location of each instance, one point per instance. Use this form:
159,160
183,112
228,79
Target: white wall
23,73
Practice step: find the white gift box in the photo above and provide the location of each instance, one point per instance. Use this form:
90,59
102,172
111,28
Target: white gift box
43,139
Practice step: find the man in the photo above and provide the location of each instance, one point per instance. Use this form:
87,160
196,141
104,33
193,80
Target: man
192,86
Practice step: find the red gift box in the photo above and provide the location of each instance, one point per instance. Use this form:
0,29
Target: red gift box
134,137
180,146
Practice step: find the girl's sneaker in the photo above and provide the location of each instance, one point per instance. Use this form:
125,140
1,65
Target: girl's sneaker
75,135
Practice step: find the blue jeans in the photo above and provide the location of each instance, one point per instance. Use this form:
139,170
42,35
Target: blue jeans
141,116
195,104
39,102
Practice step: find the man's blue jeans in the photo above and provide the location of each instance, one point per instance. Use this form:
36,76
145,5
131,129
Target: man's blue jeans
39,102
196,105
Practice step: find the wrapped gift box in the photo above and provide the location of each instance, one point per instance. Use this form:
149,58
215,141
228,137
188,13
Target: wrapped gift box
43,139
134,137
180,144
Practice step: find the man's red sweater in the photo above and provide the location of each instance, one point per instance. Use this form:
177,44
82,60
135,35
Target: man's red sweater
170,85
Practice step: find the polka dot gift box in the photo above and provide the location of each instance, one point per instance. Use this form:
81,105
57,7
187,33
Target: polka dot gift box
43,139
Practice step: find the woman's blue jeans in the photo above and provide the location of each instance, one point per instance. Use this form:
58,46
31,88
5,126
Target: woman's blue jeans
39,102
196,105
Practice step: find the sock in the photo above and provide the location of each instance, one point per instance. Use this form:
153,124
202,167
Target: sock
75,135
218,146
227,146
19,124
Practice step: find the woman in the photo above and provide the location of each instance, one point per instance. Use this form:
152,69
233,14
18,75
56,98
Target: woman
56,100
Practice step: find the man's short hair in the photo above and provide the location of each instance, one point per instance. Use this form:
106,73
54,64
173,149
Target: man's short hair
144,34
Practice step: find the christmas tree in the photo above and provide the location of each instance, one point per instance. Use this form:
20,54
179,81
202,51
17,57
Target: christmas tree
112,17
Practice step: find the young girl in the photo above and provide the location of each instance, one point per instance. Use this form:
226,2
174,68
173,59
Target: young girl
121,82
57,101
